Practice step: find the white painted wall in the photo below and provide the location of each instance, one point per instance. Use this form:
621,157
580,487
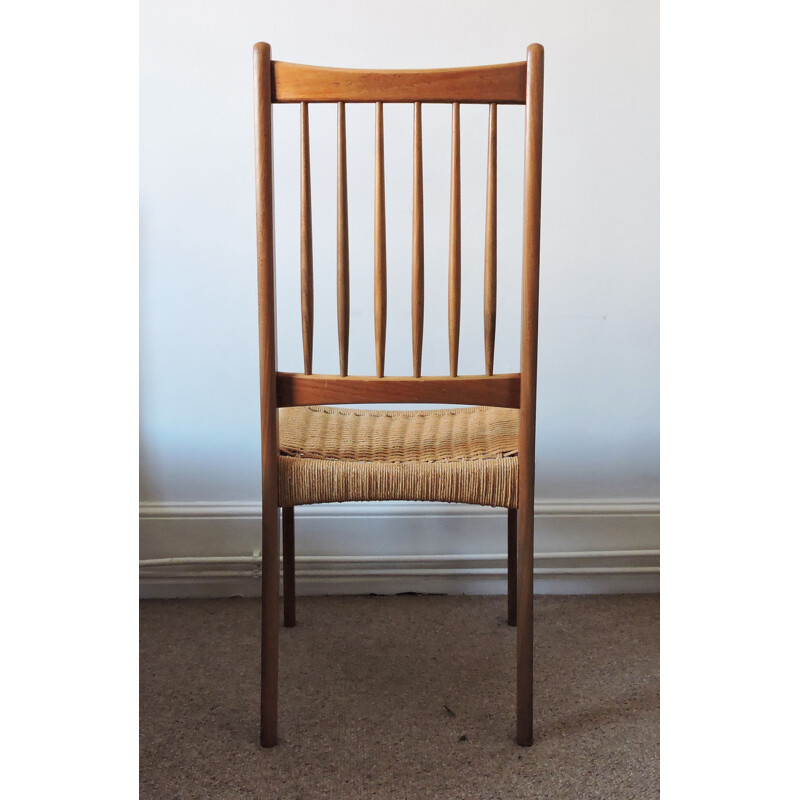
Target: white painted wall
598,380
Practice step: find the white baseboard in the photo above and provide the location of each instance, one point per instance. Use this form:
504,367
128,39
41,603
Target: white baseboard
213,549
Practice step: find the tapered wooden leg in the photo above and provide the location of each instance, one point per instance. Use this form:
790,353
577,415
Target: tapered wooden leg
512,566
529,333
525,617
270,597
288,567
270,537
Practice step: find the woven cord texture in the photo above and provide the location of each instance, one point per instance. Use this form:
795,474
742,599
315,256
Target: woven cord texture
466,455
346,434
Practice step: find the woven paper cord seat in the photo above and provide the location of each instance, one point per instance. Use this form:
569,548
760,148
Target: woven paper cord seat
454,455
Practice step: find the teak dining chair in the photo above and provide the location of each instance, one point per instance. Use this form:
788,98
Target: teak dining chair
319,454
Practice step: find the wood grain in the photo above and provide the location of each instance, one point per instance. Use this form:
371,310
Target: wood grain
380,246
490,247
265,250
306,246
417,248
342,245
296,389
497,83
527,415
454,282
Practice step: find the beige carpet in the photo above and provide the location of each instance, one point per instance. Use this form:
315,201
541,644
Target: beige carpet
401,697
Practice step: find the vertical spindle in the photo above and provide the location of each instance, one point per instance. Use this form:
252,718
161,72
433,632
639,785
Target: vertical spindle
417,248
454,287
490,248
342,246
306,253
380,245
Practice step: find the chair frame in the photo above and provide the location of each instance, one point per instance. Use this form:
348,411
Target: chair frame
280,82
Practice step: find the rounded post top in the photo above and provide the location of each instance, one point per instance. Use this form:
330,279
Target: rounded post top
261,50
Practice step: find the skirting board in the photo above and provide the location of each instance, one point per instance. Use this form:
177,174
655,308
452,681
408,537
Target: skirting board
213,549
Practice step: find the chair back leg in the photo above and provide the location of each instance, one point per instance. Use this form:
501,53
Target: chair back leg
270,596
525,616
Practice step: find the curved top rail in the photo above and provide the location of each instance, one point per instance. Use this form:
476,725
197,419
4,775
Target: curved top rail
495,83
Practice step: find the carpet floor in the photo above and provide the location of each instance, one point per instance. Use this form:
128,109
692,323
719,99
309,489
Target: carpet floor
401,697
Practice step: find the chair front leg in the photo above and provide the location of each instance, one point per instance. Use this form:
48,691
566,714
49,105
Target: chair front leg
288,567
512,566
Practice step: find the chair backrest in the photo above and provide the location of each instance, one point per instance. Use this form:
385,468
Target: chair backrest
515,83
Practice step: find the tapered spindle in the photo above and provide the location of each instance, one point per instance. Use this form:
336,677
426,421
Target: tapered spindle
417,248
490,251
380,245
306,253
454,286
342,247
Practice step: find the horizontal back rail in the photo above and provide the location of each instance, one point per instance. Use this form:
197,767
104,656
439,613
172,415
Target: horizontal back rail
296,389
497,83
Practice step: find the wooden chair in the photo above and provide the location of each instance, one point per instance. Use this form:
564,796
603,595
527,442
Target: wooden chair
312,454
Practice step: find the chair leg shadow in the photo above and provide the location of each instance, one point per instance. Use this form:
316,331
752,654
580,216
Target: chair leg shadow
597,717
